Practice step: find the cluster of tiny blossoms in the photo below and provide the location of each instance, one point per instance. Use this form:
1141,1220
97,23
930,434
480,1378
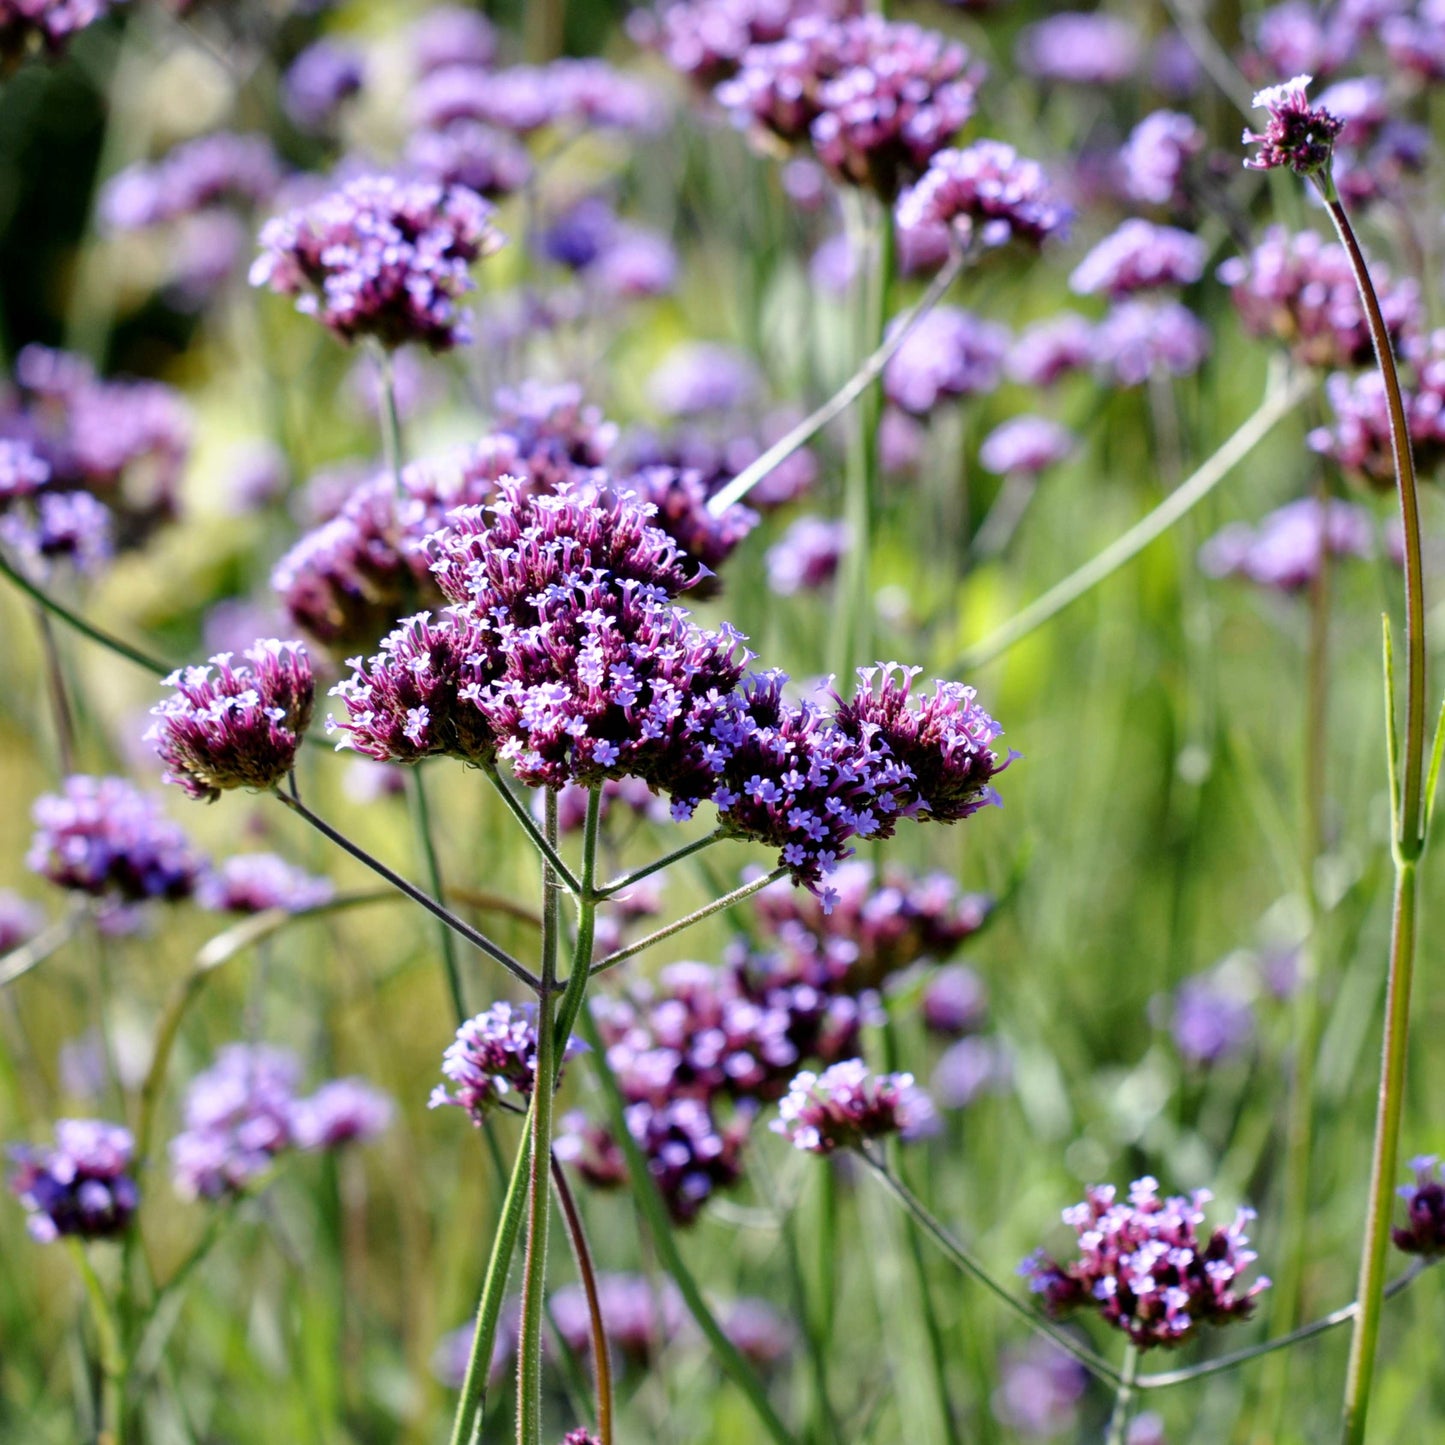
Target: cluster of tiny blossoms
493,1056
1424,1233
81,1187
846,1107
381,258
25,24
1287,549
1144,1267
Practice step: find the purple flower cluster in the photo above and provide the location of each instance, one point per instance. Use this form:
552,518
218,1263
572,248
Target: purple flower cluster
1144,1268
1039,1391
641,1318
244,1111
70,527
1026,446
846,1107
493,1056
987,194
876,99
221,169
20,920
316,84
472,154
1155,158
1299,289
103,837
1140,338
381,258
81,1187
235,727
1286,550
452,35
27,24
1139,256
701,376
1298,135
1425,1208
1209,1019
806,556
948,353
1049,350
1079,48
256,882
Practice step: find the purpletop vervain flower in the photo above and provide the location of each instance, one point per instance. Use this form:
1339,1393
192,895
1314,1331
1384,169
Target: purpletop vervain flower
25,24
493,1056
846,1107
954,1001
987,193
254,882
1209,1019
69,527
452,35
1079,48
381,258
1416,42
471,154
1039,1390
1153,161
969,1067
1286,550
1144,1268
1425,1207
104,837
761,1335
214,170
235,727
948,353
319,80
703,376
1049,350
343,1111
641,1318
81,1186
1025,446
1141,337
22,471
1139,256
807,555
1299,135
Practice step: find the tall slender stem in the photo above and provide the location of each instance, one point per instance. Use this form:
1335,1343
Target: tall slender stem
478,940
518,810
626,881
390,419
539,1189
1123,1397
446,941
60,708
1409,842
601,1360
113,1364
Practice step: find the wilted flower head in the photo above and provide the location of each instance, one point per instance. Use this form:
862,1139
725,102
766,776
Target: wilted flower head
1425,1207
493,1056
1080,48
254,882
948,353
1139,256
1152,162
987,193
1286,550
1299,135
1026,445
343,1111
381,258
235,727
807,555
1145,1269
79,1187
845,1107
104,837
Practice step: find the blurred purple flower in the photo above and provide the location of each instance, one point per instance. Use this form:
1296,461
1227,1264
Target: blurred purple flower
1026,446
315,85
845,1107
1141,338
1209,1019
1049,350
641,1318
1039,1391
1425,1210
472,154
70,527
1284,552
1079,48
987,194
1139,256
254,882
1154,159
81,1187
703,376
806,556
970,1067
759,1333
218,169
948,353
343,1111
452,35
26,24
20,920
954,1001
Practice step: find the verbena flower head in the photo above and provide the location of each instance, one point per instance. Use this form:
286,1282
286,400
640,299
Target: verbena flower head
322,77
235,727
1145,1269
759,1333
845,1107
1417,42
680,499
1140,338
948,353
877,99
472,154
1210,1019
954,1001
1299,289
20,920
221,169
343,1111
68,527
1049,350
452,35
381,258
1299,135
239,1115
27,24
493,1056
1026,446
1155,158
580,1436
642,1318
1424,1233
81,1187
987,194
254,882
971,1066
1039,1390
104,837
806,557
1139,256
1288,548
703,376
1080,48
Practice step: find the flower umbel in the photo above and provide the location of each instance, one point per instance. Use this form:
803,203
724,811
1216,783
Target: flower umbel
845,1106
1298,135
81,1186
1425,1205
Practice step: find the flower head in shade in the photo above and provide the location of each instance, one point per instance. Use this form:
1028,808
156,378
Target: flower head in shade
81,1187
1144,1267
104,837
343,1111
254,882
416,697
876,98
238,1117
1299,289
987,193
948,353
703,376
1298,135
319,80
493,1056
845,1107
220,169
1139,256
472,154
20,920
381,258
1142,337
235,727
1080,48
1026,446
1047,351
1153,161
1285,551
806,557
1424,1233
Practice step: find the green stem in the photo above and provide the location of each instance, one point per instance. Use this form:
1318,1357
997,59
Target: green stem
659,1226
587,897
113,1365
471,1406
421,820
1123,1396
728,900
390,420
1279,401
618,885
1408,844
539,1189
477,940
601,1359
60,709
518,810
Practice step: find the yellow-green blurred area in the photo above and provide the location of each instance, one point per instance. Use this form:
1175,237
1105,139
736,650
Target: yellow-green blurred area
1152,829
